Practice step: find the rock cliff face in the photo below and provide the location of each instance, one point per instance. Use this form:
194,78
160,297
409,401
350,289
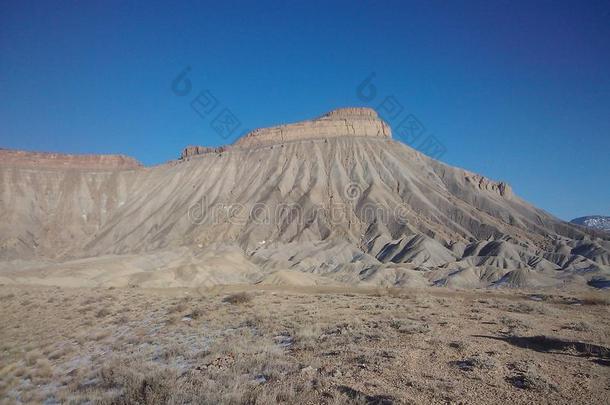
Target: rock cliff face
38,160
342,122
484,183
337,123
194,150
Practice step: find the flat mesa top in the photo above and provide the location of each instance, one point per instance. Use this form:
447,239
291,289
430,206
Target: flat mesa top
341,122
352,112
351,121
45,160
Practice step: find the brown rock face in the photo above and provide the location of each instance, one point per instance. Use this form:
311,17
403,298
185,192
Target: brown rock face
337,123
483,183
194,150
40,160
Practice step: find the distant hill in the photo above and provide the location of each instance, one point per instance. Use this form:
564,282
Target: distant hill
599,222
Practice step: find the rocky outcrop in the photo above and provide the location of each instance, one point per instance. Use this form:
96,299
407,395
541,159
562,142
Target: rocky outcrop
342,122
337,123
40,160
483,183
194,150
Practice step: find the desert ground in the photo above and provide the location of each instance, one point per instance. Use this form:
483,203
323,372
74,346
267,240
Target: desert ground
307,345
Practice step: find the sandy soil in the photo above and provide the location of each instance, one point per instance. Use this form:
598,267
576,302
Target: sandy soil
301,345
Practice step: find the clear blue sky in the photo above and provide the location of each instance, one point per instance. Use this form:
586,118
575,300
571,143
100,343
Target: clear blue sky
518,91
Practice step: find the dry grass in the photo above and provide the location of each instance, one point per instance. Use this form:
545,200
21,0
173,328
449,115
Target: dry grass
134,346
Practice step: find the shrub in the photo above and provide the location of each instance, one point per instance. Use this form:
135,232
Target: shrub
238,298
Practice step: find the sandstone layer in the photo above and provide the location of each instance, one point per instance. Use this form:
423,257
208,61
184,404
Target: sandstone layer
194,150
337,123
43,160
